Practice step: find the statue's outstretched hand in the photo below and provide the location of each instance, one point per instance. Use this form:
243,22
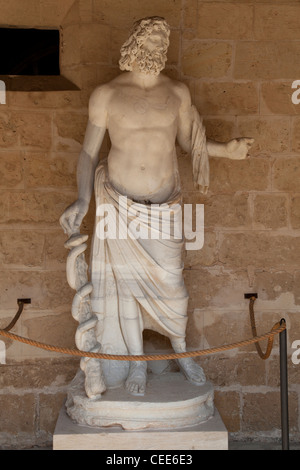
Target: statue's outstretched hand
237,149
72,217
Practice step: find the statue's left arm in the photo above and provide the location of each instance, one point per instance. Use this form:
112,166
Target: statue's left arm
235,149
191,136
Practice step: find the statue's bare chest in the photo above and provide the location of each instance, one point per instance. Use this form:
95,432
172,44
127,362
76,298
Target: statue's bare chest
134,108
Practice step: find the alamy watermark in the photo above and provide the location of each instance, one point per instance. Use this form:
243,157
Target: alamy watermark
296,343
154,221
296,94
296,354
2,92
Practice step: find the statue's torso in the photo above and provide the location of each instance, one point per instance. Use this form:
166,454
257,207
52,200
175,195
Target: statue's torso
142,125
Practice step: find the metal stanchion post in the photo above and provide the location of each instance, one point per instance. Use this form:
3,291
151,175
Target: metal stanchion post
284,388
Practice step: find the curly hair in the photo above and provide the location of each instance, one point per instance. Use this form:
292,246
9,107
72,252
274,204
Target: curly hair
141,30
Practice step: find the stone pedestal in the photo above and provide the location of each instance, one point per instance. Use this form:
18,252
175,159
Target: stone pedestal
209,435
173,414
170,402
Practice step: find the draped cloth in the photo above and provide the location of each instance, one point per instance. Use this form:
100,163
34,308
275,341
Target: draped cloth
199,153
135,278
139,279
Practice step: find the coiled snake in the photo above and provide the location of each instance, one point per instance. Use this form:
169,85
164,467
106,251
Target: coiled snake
85,337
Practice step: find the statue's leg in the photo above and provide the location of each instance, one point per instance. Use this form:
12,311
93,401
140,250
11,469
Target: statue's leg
192,371
132,329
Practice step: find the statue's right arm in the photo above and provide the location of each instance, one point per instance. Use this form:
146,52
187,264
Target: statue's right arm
88,160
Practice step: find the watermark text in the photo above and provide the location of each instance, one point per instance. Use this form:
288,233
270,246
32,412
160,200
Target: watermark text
154,221
296,354
296,94
2,92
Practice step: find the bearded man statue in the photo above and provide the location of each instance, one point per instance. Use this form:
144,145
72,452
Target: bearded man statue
137,278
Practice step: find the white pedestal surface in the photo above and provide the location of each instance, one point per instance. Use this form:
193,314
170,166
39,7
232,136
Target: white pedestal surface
173,415
170,401
210,435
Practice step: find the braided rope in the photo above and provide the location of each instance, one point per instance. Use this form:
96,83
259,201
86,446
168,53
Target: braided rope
279,327
261,354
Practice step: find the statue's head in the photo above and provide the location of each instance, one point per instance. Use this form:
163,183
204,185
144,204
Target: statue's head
146,46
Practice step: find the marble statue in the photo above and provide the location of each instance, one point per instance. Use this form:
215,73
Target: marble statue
136,282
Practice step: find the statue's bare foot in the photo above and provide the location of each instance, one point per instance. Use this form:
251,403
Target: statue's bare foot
192,371
137,377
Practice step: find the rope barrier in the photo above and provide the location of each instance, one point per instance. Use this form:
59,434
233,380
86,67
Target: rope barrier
16,317
277,328
262,355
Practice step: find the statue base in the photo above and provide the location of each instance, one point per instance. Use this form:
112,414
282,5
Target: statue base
209,435
170,402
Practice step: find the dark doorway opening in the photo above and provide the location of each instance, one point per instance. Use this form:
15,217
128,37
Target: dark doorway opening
29,51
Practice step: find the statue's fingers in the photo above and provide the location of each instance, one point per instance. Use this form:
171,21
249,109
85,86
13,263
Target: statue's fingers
77,221
69,223
76,225
63,223
72,221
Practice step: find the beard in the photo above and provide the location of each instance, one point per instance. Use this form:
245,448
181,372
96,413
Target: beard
151,62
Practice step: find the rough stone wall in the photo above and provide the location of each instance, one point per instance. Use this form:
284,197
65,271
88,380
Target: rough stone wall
239,59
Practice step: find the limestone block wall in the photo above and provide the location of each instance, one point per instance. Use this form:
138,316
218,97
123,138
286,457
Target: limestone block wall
239,60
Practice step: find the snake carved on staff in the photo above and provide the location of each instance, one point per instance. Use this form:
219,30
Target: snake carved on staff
85,337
